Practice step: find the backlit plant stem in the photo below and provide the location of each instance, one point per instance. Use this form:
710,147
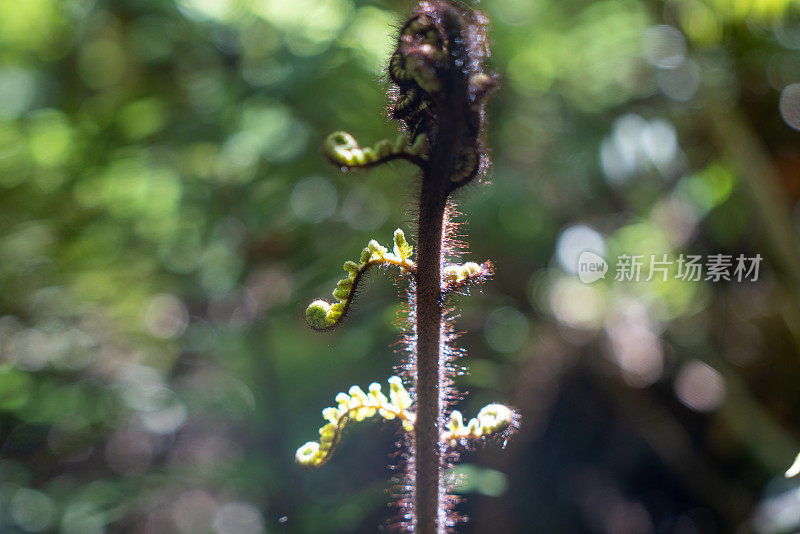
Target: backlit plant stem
439,87
429,366
430,360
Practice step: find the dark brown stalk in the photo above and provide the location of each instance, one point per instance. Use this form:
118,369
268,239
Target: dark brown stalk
436,187
427,461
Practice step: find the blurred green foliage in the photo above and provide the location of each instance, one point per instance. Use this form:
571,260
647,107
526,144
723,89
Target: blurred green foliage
165,217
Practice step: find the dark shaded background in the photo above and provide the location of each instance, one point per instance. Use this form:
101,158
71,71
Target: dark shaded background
165,217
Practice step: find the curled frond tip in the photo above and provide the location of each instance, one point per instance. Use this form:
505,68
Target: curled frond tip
457,276
343,150
323,315
493,419
356,405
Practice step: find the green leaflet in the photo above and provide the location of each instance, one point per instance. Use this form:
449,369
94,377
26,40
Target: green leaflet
343,150
356,405
322,314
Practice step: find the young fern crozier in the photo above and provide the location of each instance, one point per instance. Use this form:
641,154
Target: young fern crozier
438,91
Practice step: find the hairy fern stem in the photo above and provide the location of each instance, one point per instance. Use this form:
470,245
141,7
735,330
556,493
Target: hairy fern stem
438,94
429,365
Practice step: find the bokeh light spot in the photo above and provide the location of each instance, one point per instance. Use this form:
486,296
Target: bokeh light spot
790,105
699,386
664,46
32,510
680,83
577,304
193,511
660,141
238,518
365,209
17,91
313,199
166,316
573,241
506,329
635,345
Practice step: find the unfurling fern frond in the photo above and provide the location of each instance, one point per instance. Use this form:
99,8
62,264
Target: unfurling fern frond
356,405
323,315
343,150
493,419
438,91
457,276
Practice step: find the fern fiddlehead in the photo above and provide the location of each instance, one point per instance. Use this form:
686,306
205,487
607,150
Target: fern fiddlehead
439,89
322,315
343,150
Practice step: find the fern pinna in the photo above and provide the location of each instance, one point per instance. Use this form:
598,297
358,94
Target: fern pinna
438,92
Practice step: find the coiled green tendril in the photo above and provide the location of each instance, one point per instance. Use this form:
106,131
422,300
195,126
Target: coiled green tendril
323,315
